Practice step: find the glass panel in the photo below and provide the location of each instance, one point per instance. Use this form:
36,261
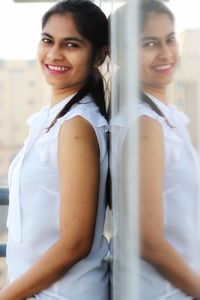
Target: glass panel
23,91
185,90
124,149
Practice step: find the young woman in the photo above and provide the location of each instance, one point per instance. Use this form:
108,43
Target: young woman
56,247
169,170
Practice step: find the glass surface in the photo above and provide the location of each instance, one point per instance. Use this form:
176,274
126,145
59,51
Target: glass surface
124,149
23,91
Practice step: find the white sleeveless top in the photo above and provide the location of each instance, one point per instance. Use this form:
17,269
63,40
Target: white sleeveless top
33,218
181,200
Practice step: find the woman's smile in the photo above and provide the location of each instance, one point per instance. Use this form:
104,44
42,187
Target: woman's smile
56,69
164,68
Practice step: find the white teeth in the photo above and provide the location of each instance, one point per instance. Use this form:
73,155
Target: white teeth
165,67
57,68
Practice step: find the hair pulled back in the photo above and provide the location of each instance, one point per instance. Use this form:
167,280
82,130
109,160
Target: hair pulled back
148,7
92,24
152,6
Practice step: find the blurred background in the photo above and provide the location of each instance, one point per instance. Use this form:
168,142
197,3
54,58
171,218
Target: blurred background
23,91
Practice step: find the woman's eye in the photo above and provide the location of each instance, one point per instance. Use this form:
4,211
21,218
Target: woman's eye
46,40
172,40
149,44
71,45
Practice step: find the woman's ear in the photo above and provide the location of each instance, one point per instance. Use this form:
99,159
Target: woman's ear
100,56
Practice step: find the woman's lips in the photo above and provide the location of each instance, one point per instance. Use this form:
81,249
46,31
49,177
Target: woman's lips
167,68
56,69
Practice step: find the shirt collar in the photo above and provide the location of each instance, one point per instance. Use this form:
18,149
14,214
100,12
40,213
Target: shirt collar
170,111
165,108
59,106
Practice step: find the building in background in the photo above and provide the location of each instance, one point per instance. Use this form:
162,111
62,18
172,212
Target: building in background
185,90
22,92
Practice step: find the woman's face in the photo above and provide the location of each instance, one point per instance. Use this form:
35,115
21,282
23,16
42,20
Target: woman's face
158,52
64,54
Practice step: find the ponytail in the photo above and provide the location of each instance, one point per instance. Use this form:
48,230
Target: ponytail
85,13
76,98
95,87
154,107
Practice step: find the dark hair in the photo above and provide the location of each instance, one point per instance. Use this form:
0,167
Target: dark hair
146,99
92,24
152,6
146,8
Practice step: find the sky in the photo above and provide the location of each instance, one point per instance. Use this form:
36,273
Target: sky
186,13
20,28
20,25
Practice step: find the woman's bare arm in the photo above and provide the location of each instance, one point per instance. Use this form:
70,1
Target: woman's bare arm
154,247
78,159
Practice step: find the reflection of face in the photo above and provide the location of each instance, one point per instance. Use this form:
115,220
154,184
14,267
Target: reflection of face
158,52
64,54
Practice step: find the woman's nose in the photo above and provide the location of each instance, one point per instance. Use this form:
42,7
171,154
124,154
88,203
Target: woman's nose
165,52
55,53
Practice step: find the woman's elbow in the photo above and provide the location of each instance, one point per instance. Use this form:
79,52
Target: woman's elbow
83,248
150,249
77,250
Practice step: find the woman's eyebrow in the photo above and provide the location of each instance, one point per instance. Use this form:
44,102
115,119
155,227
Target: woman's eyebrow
153,38
149,38
74,38
171,34
46,34
69,38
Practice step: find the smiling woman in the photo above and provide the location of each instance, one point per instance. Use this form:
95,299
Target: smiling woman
158,41
64,54
26,15
169,180
62,168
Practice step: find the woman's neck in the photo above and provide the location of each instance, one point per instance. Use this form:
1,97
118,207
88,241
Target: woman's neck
61,94
160,94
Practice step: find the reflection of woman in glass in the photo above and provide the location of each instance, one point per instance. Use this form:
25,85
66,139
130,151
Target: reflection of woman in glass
169,170
57,182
